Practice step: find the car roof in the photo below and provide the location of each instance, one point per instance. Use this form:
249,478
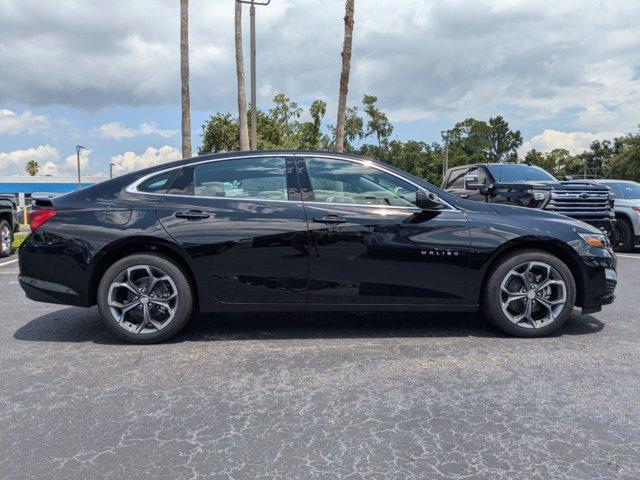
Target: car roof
237,155
612,180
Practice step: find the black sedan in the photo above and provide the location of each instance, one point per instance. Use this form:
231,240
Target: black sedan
258,231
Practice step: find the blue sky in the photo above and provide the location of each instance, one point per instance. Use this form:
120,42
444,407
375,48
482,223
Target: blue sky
106,74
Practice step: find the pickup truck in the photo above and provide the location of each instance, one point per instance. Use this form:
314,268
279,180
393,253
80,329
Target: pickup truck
529,186
8,225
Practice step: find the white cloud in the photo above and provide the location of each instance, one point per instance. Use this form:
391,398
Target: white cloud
130,161
12,123
19,158
71,162
49,169
118,131
572,61
575,142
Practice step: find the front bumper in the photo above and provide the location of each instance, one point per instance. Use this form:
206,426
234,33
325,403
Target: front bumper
605,226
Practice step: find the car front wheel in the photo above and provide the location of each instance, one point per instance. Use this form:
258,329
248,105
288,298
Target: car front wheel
145,298
529,293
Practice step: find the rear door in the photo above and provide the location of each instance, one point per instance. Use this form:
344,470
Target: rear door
242,223
370,244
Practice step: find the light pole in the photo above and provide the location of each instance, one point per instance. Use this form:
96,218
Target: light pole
445,163
78,148
254,114
111,165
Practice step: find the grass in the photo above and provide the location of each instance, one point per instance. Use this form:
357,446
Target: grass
18,238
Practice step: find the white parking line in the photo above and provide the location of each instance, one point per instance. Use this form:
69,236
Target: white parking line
637,257
8,263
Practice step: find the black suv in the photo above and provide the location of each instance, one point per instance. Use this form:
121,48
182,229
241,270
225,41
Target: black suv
528,186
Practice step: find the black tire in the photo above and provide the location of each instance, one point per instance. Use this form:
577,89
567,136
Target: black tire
6,235
183,306
622,238
492,296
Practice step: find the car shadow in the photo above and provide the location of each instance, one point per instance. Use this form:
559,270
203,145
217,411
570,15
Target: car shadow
83,325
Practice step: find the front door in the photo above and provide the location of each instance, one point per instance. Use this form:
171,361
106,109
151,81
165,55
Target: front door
242,223
370,244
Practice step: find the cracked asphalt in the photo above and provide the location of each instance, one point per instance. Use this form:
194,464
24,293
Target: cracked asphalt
393,396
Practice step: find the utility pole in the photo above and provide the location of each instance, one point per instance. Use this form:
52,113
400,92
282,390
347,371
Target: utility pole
254,107
111,165
445,163
78,148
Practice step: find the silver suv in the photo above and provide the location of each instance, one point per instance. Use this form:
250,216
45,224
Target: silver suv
627,210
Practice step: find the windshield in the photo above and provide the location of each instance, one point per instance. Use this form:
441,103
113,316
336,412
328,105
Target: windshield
626,190
519,173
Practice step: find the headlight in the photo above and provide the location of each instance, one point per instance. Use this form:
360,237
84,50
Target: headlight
595,240
540,194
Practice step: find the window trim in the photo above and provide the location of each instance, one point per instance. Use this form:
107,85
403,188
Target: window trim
132,188
376,166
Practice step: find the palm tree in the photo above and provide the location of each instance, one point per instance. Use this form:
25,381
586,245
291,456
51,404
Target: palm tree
242,98
184,75
344,75
32,168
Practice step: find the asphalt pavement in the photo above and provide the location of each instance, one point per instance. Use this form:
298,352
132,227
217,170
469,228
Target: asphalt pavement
375,396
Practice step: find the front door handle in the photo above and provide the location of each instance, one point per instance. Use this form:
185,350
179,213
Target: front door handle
192,215
330,219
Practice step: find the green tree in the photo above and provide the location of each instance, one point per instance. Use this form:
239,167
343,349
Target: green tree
311,132
377,122
624,163
32,168
220,134
504,142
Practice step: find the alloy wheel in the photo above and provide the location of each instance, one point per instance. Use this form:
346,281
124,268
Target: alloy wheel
143,299
5,240
533,294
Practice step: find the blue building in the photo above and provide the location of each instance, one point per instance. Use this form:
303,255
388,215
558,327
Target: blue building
23,187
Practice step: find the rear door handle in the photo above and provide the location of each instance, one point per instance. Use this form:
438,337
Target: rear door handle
330,219
192,215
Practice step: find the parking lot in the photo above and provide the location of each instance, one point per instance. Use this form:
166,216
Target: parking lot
319,396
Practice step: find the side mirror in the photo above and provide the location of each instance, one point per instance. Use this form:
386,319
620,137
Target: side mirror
568,178
427,201
471,182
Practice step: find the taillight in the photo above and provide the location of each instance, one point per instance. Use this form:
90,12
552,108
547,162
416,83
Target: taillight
37,218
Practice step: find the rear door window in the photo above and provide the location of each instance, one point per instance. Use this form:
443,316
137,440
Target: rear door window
248,178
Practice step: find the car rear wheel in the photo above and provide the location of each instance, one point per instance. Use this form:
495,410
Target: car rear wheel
622,236
529,293
6,239
145,298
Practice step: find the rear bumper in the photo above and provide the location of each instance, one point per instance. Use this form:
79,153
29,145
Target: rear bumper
49,292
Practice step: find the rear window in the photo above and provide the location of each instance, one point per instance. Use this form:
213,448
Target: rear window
157,184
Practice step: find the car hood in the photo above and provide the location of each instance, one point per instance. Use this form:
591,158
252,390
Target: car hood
524,215
581,185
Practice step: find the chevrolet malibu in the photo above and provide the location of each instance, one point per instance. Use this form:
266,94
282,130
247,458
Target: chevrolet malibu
300,231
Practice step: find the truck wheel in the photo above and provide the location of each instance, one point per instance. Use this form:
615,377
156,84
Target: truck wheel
622,237
145,298
6,239
530,293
